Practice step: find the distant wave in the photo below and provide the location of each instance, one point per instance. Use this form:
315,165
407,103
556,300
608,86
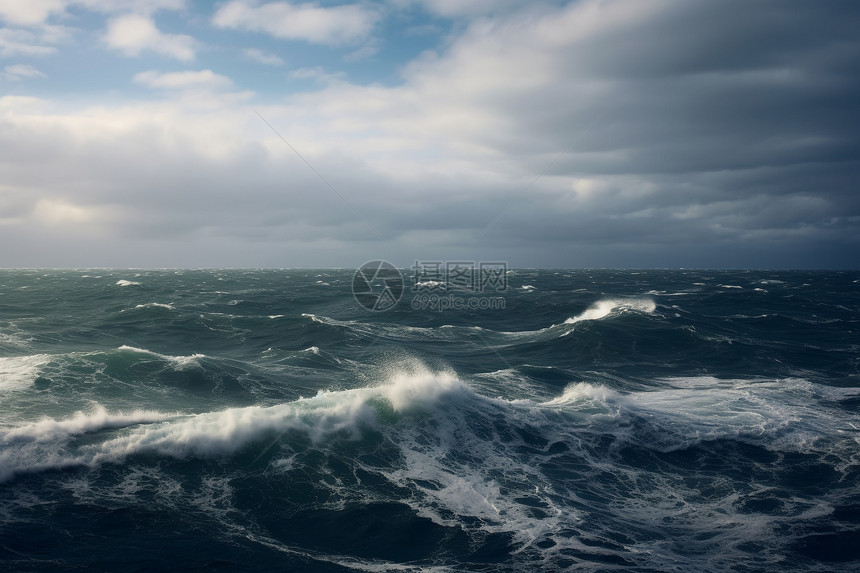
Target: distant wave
601,309
179,361
155,305
123,282
605,307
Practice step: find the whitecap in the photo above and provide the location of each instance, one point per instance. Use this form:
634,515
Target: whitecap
178,361
48,429
604,308
430,284
19,372
155,305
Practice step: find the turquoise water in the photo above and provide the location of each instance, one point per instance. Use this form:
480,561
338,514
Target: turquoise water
264,420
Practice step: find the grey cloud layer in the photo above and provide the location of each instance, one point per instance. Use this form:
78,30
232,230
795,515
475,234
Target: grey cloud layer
712,133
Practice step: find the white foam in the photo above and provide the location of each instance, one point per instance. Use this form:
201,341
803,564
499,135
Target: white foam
15,337
178,361
123,283
775,414
155,305
420,389
19,372
604,308
48,429
327,413
582,392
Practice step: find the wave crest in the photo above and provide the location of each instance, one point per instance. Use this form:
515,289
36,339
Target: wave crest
18,372
178,361
605,307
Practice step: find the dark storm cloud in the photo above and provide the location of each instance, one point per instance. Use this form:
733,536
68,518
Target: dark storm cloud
742,118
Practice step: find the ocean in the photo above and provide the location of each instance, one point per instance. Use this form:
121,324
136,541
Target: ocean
582,420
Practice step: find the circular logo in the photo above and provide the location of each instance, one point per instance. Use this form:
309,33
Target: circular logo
377,285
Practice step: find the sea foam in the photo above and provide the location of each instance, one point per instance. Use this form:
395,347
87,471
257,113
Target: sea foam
605,307
48,429
178,361
18,372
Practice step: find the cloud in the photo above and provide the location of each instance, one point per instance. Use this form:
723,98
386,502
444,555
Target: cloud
134,33
458,8
38,12
361,53
57,211
30,12
612,133
136,6
20,72
262,57
42,41
318,74
336,25
203,79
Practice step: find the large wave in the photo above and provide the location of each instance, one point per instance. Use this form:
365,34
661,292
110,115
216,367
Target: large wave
533,470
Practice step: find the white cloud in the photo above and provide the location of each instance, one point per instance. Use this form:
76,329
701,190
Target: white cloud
361,53
40,41
23,105
317,73
30,12
54,211
37,12
456,8
262,57
137,6
134,33
20,72
203,79
336,25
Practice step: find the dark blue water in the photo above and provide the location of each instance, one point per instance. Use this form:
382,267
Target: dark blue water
264,420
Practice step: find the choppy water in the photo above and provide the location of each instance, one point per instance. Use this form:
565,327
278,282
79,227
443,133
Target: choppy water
263,420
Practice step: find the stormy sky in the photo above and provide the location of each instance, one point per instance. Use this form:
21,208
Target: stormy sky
592,133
